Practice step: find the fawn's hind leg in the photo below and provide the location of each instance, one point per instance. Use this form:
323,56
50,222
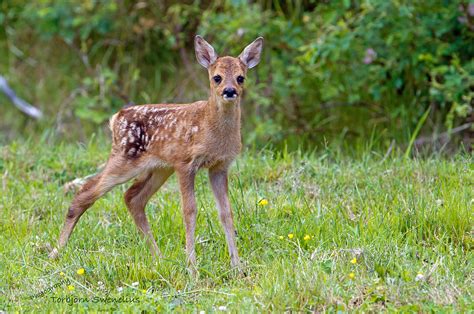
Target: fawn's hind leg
137,197
117,171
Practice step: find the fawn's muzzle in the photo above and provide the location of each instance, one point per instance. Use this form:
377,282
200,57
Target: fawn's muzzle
229,93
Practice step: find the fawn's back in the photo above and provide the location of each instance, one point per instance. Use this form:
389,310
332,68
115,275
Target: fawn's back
173,134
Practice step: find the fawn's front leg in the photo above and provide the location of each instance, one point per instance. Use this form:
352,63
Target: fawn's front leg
218,178
186,184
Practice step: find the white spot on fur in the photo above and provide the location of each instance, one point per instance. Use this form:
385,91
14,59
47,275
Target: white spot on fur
173,122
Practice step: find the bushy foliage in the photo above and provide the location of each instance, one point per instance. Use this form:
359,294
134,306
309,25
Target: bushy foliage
338,69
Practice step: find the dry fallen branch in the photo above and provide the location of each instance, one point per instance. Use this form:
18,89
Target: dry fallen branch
18,102
442,137
76,184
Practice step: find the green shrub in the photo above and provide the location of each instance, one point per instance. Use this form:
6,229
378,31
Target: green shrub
340,70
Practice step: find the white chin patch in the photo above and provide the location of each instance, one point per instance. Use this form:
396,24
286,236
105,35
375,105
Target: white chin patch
230,98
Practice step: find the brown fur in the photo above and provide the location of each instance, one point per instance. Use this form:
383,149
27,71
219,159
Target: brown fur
151,142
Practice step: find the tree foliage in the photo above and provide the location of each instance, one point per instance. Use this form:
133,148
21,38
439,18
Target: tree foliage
334,69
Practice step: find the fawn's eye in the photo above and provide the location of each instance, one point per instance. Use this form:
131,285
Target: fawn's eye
240,79
217,79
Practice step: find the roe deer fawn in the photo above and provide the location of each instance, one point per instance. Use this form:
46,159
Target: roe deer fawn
150,142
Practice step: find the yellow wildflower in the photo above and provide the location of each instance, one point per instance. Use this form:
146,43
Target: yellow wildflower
290,236
263,202
280,237
354,261
307,237
70,287
80,271
351,275
144,291
62,274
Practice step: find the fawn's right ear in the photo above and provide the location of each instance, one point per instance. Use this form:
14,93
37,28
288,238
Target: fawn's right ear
205,54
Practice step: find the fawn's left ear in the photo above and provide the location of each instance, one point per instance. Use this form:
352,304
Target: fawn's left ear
251,54
205,53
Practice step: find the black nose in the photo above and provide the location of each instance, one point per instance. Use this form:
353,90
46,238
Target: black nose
229,92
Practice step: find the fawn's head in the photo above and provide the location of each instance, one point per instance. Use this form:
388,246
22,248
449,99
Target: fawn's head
227,74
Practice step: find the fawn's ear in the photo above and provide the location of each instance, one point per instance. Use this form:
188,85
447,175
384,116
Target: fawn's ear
205,54
251,54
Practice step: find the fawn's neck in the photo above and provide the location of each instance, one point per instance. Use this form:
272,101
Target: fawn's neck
224,117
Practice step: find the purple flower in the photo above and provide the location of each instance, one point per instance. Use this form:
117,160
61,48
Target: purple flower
470,9
370,56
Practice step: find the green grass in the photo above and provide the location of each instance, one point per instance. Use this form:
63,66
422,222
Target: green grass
401,218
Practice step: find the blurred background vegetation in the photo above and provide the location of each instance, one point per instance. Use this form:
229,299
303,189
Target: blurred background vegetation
348,73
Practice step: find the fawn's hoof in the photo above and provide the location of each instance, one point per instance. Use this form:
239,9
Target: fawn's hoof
54,254
157,255
238,267
193,271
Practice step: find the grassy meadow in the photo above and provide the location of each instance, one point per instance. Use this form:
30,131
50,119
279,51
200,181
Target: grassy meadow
355,191
316,232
